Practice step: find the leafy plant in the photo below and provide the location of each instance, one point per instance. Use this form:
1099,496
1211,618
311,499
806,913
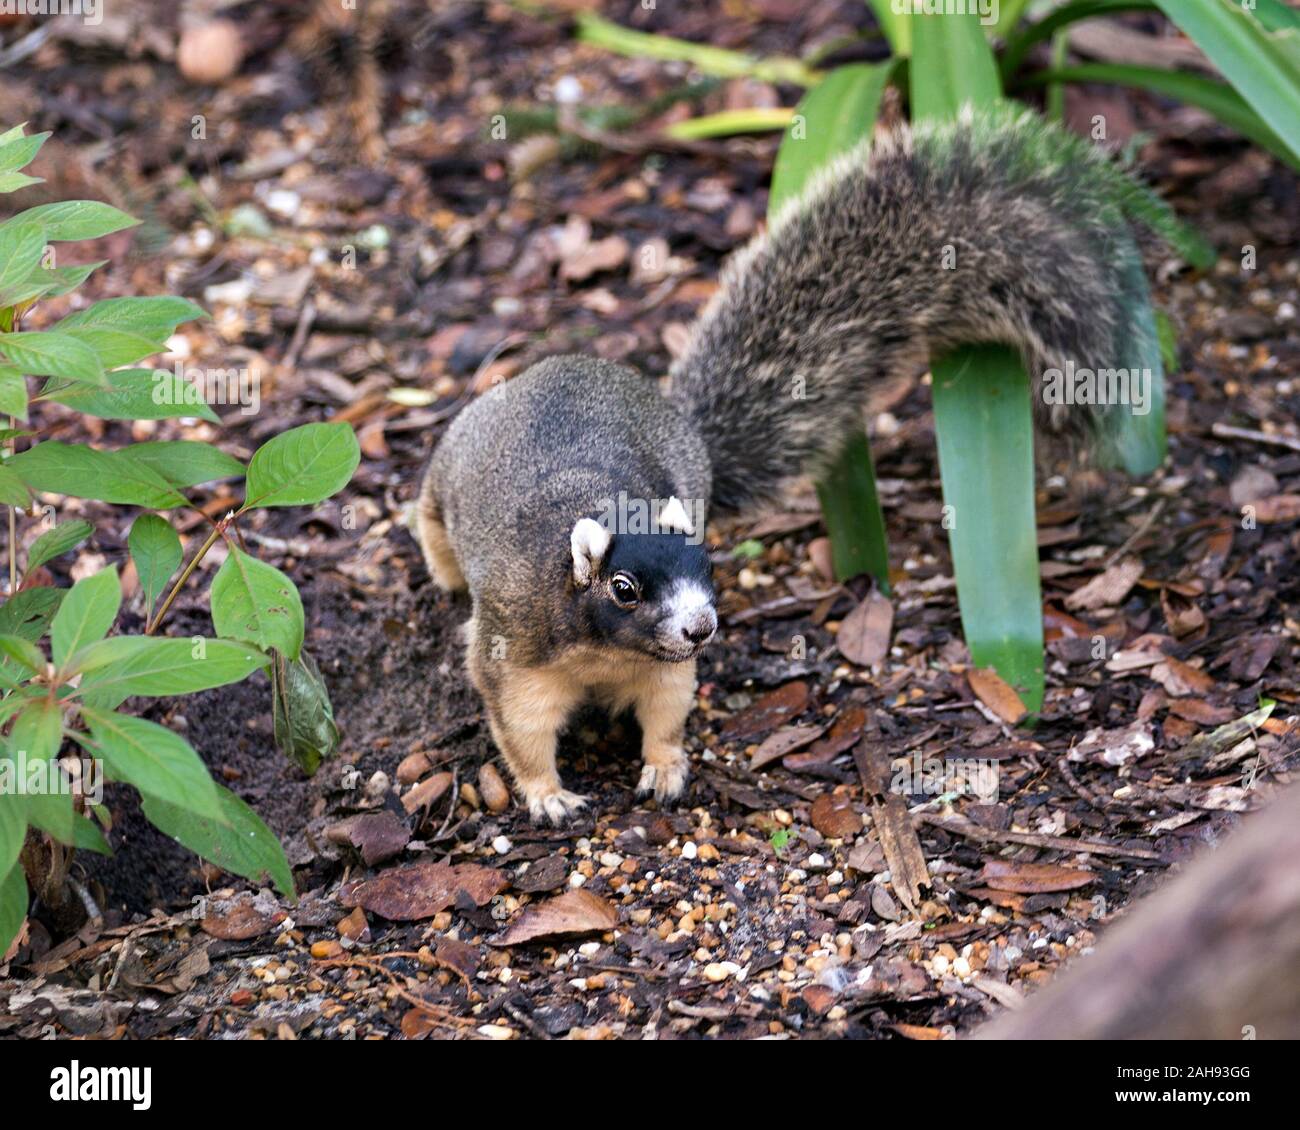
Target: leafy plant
87,361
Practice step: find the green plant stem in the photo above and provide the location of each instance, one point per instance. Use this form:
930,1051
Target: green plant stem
217,531
13,526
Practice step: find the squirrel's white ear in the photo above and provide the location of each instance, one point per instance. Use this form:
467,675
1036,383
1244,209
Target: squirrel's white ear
674,517
589,543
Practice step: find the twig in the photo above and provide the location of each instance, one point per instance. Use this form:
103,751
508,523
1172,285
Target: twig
1227,431
963,827
217,531
1137,534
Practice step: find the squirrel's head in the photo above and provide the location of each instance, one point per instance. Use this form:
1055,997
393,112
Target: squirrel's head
645,592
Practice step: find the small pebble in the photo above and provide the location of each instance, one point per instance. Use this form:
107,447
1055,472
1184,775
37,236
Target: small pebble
501,845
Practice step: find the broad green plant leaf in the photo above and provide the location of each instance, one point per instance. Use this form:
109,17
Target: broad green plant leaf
86,614
239,842
155,547
171,667
52,543
156,761
85,472
302,714
302,466
254,601
134,394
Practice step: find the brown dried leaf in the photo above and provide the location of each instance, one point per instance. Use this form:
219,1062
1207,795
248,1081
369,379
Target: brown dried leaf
768,712
1033,878
420,890
786,740
864,635
575,912
1107,589
902,850
1179,678
833,816
997,694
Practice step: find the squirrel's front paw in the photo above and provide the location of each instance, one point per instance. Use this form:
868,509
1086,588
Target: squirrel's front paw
555,805
665,777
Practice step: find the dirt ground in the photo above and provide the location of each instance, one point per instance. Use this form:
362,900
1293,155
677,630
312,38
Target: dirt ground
791,893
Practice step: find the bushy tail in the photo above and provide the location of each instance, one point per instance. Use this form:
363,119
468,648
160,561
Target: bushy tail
994,228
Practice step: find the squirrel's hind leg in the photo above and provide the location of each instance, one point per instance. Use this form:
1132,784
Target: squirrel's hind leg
527,708
431,533
662,699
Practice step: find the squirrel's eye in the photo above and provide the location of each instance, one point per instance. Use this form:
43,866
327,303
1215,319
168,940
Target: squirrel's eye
624,589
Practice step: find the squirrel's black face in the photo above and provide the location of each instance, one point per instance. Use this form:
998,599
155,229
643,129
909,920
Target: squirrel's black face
651,593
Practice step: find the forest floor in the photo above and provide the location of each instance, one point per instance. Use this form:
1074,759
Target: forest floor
793,892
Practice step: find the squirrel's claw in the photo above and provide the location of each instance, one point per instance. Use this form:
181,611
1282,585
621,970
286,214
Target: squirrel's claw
556,807
665,782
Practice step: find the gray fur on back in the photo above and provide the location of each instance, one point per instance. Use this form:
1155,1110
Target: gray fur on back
522,463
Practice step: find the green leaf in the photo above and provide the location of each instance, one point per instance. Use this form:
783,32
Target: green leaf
239,843
984,425
115,649
156,550
154,317
1262,65
13,491
13,392
12,182
897,27
49,354
57,541
13,826
86,614
135,394
85,472
186,462
156,761
78,219
1140,441
24,652
601,32
17,150
255,602
114,347
302,715
952,65
13,887
1214,98
21,248
1018,45
729,123
834,117
37,735
29,611
302,466
854,520
64,280
171,667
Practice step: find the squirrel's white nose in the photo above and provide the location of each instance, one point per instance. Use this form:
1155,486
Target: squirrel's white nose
702,627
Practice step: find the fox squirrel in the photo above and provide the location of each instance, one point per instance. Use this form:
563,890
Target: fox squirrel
571,500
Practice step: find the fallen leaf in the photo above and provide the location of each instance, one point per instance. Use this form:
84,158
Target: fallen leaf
244,916
421,890
768,712
902,850
1114,747
997,694
845,732
784,741
575,912
864,635
1179,678
833,816
376,835
1033,878
1108,588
